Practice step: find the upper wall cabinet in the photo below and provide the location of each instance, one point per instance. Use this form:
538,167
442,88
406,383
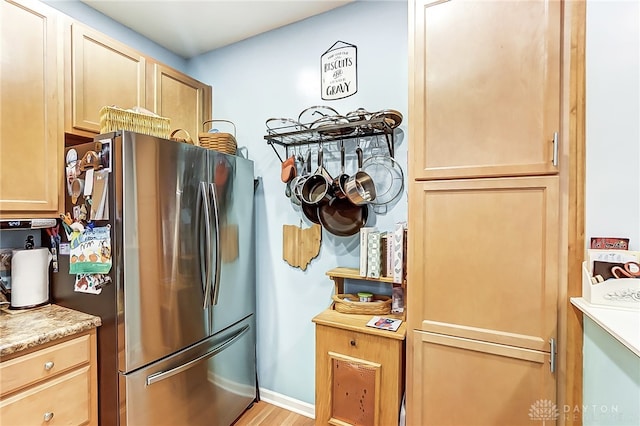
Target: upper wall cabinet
104,72
492,88
31,88
184,100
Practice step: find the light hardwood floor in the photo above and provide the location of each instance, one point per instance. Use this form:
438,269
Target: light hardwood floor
263,414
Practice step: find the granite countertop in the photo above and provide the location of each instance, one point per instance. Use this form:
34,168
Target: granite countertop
26,329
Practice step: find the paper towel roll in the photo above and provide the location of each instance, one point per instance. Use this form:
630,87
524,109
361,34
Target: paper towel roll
30,277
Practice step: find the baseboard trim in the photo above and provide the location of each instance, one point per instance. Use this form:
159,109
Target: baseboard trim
288,403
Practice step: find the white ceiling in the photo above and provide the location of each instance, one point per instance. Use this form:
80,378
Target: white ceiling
189,28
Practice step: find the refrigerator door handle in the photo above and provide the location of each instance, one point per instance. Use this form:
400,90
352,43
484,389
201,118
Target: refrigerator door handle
207,231
216,221
156,377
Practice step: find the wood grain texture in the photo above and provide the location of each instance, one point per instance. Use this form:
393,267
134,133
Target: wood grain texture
264,414
105,72
477,383
68,390
468,114
345,337
491,105
489,259
300,246
570,387
184,100
31,127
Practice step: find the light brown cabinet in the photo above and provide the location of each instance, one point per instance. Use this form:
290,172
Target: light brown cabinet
31,126
485,88
487,206
56,76
54,384
359,371
106,72
471,382
182,99
103,72
488,251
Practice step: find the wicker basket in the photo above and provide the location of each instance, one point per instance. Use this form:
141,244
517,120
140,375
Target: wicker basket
186,139
223,142
380,305
114,118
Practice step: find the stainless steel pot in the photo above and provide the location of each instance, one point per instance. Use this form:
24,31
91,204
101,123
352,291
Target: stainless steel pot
360,186
317,188
339,183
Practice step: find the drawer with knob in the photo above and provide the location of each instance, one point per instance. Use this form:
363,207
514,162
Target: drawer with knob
65,399
31,368
55,383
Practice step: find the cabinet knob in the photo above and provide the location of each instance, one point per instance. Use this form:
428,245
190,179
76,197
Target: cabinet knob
48,365
353,342
48,416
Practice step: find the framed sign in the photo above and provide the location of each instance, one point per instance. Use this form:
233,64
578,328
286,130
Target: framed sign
339,71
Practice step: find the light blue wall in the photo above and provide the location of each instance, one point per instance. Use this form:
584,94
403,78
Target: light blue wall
96,20
611,375
277,75
611,394
613,120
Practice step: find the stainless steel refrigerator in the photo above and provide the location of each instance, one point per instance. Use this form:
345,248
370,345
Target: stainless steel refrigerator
177,341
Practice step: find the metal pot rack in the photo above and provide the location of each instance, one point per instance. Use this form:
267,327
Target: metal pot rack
291,136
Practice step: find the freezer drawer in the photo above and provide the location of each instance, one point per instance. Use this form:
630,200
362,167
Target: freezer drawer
210,383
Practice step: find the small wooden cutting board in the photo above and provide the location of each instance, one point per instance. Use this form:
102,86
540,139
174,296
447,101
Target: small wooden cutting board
300,246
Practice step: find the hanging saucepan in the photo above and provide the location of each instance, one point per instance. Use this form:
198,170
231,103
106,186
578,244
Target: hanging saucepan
296,186
340,181
343,218
317,188
308,210
360,187
300,177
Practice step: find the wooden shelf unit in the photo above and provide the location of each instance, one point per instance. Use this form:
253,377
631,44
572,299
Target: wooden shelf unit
339,274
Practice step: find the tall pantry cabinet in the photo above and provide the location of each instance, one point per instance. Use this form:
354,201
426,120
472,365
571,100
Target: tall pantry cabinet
485,211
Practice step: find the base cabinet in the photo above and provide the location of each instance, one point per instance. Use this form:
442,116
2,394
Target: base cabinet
359,373
471,382
52,385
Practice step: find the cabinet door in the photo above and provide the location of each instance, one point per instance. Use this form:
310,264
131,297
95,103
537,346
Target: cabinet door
31,139
485,87
105,72
485,253
358,378
172,94
465,382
